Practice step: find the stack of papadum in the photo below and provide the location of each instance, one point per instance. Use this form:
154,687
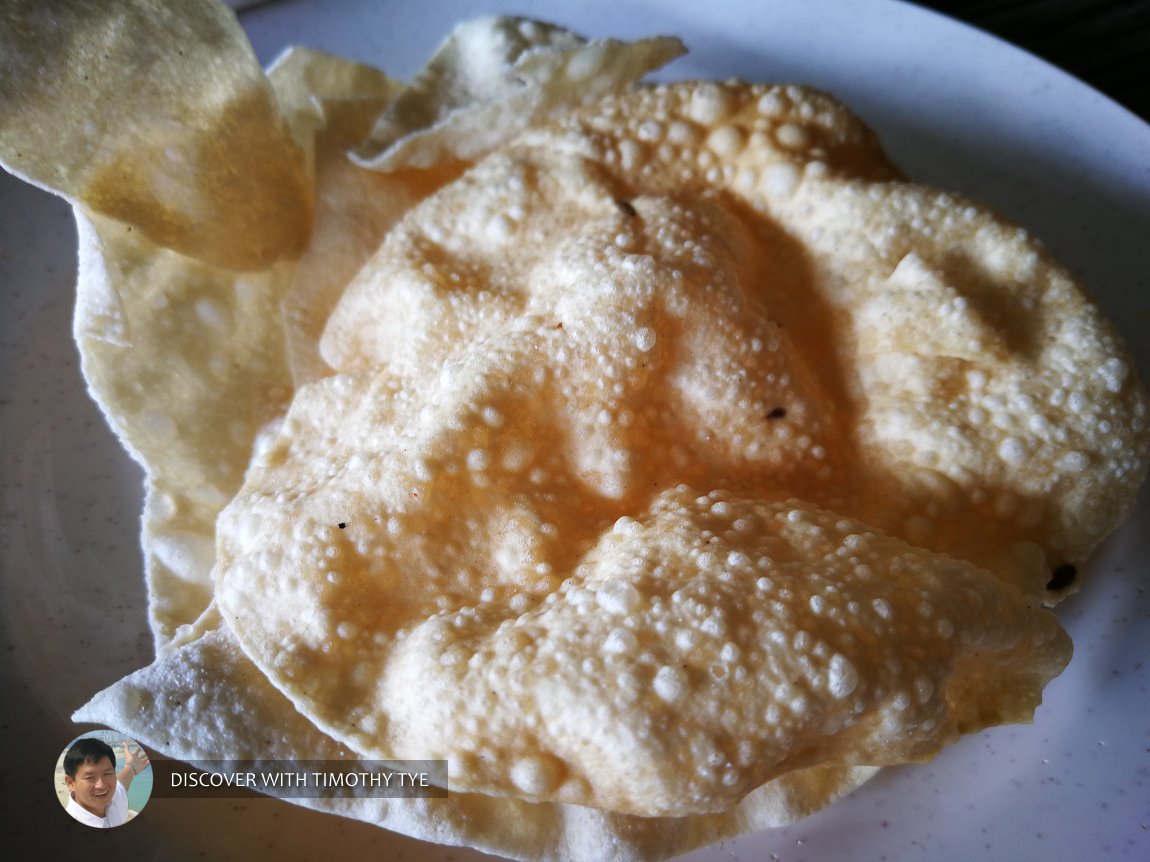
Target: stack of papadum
657,455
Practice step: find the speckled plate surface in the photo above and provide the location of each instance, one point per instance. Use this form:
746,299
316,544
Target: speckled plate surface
956,108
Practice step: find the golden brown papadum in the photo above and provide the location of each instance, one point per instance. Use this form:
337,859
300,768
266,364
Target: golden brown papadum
100,107
681,417
187,358
585,416
189,361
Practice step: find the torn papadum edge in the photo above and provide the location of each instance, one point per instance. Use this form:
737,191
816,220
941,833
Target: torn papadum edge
206,701
492,78
334,103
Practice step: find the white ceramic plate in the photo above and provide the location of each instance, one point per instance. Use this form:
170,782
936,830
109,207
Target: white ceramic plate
956,108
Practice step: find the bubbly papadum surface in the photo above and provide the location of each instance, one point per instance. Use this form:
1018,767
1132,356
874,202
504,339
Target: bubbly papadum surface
191,350
537,520
239,715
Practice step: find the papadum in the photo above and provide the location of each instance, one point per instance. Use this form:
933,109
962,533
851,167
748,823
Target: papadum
577,440
658,455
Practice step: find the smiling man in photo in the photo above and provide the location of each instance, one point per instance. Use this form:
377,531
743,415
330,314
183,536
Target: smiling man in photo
98,795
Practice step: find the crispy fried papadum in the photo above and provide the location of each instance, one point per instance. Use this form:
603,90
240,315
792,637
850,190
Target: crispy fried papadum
241,716
159,116
606,503
191,204
187,356
189,360
660,456
495,76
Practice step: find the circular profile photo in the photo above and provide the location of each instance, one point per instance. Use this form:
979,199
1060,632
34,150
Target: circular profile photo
103,778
